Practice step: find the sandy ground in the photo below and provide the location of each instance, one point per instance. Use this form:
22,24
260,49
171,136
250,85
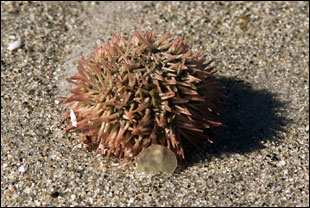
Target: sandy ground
261,157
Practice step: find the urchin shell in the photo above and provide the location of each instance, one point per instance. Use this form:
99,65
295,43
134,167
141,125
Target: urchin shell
132,94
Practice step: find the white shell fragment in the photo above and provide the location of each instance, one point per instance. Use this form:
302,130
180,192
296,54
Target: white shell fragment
156,159
14,45
73,118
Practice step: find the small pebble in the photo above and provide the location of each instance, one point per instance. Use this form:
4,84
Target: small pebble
14,45
21,169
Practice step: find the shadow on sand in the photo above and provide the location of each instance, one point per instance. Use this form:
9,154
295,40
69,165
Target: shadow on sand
251,118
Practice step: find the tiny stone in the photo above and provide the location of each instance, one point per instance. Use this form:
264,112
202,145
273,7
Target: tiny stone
21,169
72,196
281,163
14,45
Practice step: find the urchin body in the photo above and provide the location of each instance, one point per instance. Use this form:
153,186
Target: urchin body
132,94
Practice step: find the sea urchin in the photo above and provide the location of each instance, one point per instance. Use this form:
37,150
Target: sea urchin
132,94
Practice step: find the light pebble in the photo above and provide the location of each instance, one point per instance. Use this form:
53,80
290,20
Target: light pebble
21,169
14,45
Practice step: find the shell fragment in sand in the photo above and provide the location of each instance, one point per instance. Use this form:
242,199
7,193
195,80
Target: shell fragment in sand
156,159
